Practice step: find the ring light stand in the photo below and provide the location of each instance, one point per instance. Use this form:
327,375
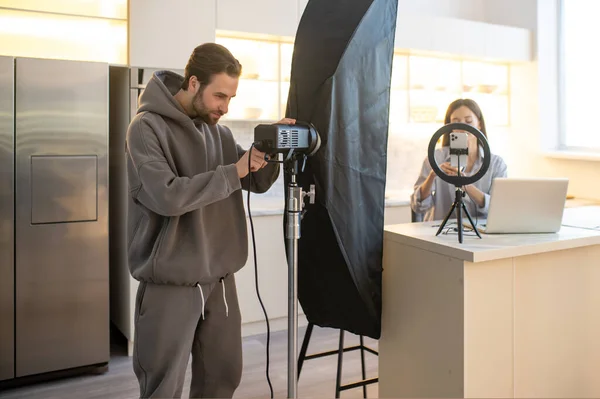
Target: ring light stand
459,181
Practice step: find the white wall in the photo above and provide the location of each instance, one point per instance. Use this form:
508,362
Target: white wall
273,17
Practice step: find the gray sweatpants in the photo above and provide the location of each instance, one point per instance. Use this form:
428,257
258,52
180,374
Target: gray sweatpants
169,327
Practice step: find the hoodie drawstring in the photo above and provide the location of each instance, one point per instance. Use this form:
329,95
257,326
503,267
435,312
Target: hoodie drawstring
225,299
202,295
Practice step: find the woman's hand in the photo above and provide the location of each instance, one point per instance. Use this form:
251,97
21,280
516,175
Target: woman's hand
476,195
448,169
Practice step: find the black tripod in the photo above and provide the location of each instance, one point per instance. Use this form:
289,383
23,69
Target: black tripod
460,206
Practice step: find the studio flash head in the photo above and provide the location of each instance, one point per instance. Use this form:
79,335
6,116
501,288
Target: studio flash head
300,138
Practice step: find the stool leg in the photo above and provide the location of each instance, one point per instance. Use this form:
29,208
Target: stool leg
338,380
304,347
362,363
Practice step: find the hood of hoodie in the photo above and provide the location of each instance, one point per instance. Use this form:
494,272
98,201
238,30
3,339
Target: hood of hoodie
158,96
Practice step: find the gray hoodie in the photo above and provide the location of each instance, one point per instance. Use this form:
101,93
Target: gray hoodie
186,219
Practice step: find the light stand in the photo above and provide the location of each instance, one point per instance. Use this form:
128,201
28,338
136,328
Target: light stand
459,181
295,141
294,213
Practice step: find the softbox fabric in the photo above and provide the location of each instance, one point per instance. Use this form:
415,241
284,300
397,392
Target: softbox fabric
340,82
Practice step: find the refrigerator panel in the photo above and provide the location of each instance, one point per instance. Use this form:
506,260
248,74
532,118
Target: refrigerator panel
62,317
64,189
120,278
7,197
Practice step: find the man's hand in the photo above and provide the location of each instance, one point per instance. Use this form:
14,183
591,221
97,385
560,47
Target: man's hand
286,121
257,162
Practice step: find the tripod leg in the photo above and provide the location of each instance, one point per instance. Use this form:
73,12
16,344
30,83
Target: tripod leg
459,222
338,379
446,219
471,220
304,348
362,363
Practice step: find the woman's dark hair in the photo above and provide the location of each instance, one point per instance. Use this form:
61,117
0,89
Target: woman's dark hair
210,59
456,104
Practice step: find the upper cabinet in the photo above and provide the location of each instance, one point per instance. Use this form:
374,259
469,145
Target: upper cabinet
271,17
92,30
423,86
163,36
463,38
114,9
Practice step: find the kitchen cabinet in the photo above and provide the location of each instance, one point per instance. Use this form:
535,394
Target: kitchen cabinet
507,43
423,87
433,83
164,35
65,30
463,38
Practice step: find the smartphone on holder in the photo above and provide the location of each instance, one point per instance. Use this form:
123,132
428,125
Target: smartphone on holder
459,149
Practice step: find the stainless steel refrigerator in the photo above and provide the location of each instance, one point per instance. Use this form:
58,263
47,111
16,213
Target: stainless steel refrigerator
54,298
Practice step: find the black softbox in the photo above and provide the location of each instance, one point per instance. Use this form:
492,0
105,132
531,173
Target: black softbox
340,82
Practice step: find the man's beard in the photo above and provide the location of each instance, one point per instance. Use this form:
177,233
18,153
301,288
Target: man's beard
204,113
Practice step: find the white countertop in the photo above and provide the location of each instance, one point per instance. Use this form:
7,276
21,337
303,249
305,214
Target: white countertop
489,247
586,217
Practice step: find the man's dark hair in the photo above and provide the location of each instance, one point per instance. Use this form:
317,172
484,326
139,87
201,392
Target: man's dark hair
210,59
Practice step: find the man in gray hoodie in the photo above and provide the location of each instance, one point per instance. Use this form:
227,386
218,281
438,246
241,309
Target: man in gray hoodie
187,233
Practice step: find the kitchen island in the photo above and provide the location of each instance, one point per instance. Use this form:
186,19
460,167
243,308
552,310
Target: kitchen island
503,316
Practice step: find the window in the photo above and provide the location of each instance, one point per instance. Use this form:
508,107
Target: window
579,80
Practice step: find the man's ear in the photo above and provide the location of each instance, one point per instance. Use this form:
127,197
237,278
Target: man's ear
194,84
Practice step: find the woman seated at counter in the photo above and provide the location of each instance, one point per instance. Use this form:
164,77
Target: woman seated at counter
433,196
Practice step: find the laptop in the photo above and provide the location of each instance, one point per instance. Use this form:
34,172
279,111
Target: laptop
524,205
